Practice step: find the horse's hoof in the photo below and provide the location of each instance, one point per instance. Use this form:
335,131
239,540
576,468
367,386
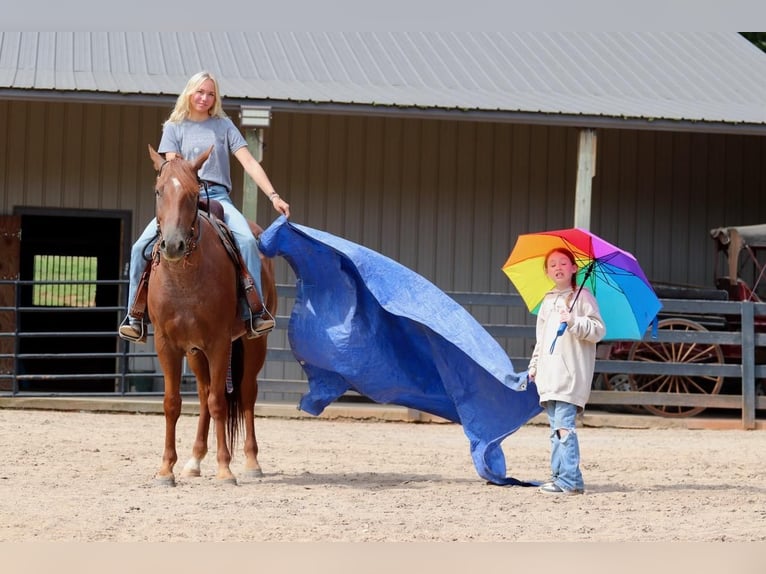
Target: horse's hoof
253,473
232,480
191,473
169,480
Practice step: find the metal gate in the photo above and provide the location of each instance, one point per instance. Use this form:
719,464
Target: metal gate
137,370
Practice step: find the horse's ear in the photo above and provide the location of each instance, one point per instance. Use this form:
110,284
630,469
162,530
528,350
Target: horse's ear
157,159
202,158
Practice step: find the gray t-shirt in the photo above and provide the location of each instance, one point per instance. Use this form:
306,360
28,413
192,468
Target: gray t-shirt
189,139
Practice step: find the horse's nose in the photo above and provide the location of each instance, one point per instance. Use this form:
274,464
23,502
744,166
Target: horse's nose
173,249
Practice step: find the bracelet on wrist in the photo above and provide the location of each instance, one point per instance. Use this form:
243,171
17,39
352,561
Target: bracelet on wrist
273,196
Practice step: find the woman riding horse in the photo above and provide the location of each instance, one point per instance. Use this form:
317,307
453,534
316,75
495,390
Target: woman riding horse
194,306
196,123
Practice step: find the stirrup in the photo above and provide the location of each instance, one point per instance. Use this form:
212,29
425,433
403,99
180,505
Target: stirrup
133,331
257,329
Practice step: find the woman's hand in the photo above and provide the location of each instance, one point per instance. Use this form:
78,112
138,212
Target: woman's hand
280,205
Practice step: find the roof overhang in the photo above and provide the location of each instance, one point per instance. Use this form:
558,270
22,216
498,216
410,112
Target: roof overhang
401,111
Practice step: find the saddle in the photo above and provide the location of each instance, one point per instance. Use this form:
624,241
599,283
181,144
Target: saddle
211,210
211,207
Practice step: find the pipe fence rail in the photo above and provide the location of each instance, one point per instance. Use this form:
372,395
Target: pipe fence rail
136,370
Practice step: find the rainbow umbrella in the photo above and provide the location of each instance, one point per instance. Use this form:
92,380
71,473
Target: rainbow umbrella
626,299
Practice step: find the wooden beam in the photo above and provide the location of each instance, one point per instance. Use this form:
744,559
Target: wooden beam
586,169
254,137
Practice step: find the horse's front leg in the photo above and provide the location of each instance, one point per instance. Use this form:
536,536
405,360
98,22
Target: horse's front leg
219,411
199,365
171,367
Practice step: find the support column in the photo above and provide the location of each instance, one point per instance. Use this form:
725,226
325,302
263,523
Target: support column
586,169
254,120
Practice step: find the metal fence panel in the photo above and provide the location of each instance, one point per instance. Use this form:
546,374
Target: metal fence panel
137,372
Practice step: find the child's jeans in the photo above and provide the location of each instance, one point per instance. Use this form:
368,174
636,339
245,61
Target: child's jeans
565,449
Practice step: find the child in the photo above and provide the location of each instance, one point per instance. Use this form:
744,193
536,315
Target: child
562,368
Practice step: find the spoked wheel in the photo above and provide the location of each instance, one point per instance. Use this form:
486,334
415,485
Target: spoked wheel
697,353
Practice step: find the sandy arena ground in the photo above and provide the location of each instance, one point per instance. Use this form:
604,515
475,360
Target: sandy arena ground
83,477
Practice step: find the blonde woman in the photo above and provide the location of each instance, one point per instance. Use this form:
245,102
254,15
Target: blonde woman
196,123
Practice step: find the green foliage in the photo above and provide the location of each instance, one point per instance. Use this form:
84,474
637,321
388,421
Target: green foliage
757,38
68,271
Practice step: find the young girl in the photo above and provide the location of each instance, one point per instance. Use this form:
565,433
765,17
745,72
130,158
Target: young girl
197,122
562,368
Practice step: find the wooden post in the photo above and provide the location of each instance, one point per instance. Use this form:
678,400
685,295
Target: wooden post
254,137
748,365
586,169
10,265
253,122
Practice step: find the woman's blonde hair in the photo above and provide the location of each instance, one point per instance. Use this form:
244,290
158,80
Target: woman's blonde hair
181,110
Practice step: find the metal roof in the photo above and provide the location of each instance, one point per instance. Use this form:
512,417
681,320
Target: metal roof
688,77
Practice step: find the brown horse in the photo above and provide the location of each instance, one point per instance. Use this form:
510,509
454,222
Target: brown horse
194,307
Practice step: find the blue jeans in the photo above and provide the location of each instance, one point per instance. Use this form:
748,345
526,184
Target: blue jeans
565,449
239,229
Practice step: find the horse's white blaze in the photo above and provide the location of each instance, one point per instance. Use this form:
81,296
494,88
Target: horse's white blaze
176,182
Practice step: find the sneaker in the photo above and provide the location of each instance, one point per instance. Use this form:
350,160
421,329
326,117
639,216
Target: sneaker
133,330
259,326
553,488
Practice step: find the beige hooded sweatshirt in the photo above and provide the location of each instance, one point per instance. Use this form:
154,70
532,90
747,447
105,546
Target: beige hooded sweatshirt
566,373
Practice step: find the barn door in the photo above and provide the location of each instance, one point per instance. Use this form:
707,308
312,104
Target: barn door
68,317
10,239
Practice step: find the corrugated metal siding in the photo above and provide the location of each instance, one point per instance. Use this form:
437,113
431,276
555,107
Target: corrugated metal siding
78,156
445,198
659,194
448,199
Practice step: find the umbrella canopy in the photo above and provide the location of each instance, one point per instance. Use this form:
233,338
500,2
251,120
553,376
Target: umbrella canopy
626,299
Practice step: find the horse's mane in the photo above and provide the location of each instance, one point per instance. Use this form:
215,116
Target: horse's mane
182,170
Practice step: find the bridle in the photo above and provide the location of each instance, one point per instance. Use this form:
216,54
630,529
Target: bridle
192,239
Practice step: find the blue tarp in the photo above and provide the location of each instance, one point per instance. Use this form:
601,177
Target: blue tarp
364,322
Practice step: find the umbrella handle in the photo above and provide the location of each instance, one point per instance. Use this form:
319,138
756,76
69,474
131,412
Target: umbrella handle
562,328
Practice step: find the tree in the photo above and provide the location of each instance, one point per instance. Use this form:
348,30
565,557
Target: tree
757,38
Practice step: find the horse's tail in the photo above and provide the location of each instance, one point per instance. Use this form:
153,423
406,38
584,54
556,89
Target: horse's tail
234,398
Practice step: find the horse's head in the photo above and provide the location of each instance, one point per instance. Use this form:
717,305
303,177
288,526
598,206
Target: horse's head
177,192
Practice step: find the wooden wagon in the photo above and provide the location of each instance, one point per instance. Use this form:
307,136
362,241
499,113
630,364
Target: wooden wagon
739,269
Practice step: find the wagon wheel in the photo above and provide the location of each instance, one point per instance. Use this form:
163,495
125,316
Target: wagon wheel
698,353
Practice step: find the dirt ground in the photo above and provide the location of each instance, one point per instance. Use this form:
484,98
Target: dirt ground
85,477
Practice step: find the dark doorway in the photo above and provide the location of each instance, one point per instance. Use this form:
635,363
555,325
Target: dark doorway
75,259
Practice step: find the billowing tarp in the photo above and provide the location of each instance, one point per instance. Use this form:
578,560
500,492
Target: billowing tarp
364,322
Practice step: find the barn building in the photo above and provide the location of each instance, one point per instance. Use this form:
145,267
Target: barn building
434,149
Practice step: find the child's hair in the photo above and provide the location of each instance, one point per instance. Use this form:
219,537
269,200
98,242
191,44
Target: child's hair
181,110
567,253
